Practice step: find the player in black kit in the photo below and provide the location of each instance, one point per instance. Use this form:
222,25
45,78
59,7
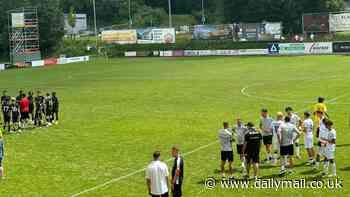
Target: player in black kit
39,109
15,114
6,112
55,105
251,149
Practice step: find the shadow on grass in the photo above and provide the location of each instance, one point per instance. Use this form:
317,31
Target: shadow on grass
345,169
272,176
309,172
342,145
313,178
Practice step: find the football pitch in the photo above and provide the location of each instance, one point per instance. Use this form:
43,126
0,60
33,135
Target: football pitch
115,113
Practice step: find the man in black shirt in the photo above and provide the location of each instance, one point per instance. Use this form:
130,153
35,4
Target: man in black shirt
19,97
5,109
15,114
251,148
55,104
39,109
177,172
31,105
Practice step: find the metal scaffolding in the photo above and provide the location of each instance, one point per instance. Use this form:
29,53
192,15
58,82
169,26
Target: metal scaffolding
24,36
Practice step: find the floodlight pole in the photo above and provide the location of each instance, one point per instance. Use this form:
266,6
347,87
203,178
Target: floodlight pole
95,22
130,19
203,15
170,17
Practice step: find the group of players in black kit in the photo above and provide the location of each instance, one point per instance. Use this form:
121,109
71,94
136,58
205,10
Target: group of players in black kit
38,110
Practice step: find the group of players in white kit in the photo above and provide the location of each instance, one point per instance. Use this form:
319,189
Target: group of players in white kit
281,137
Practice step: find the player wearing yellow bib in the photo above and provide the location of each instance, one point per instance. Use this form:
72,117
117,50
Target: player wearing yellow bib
320,110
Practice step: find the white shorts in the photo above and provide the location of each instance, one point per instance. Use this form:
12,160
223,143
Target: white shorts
329,153
309,142
322,151
275,143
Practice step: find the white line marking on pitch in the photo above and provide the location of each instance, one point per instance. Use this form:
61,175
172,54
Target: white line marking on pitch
136,172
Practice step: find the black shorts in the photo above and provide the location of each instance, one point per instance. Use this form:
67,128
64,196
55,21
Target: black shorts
7,118
318,132
227,156
14,118
24,115
55,110
267,139
240,149
287,150
253,157
163,195
0,161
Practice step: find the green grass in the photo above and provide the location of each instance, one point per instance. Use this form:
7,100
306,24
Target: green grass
115,113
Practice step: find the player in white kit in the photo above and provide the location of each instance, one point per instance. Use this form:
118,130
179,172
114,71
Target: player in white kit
329,139
321,145
240,131
308,127
295,120
266,130
275,144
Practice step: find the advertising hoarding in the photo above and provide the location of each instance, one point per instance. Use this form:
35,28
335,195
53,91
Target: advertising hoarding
156,36
316,23
119,36
339,22
341,47
208,32
318,48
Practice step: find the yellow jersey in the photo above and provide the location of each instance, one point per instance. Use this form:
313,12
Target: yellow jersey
320,107
1,132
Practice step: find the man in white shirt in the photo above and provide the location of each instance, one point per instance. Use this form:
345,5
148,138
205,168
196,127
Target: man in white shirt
286,139
225,137
157,177
322,133
308,127
295,120
241,130
275,144
329,139
266,131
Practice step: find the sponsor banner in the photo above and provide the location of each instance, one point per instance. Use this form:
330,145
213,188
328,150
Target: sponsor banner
178,53
17,20
273,48
341,47
339,22
291,48
2,67
50,61
166,53
119,36
77,59
318,48
207,32
242,52
253,52
154,36
316,23
130,54
38,63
